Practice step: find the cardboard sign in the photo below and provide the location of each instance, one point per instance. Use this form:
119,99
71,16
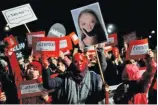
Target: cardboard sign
11,41
137,49
47,45
34,34
31,88
19,15
112,40
65,43
74,38
57,30
131,36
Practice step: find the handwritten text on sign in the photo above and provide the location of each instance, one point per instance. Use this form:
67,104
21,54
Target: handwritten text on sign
19,15
139,49
45,46
31,88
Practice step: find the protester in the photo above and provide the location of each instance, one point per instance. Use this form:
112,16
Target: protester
115,66
77,81
34,71
91,29
138,82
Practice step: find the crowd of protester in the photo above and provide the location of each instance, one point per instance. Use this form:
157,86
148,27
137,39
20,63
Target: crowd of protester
76,78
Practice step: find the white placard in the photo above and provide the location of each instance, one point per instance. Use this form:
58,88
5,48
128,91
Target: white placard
31,88
19,15
139,49
45,46
31,36
63,44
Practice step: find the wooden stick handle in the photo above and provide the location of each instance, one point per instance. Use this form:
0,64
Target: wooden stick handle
102,77
27,28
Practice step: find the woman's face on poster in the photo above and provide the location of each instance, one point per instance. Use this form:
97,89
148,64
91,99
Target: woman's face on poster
87,21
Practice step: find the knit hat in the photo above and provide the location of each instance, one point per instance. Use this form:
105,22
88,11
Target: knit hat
36,65
132,71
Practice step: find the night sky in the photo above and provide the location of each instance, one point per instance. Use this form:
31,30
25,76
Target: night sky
127,15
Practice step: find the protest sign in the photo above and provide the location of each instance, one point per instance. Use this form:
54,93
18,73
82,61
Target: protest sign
34,34
74,38
31,88
65,43
89,24
57,30
47,45
137,49
113,41
128,37
19,15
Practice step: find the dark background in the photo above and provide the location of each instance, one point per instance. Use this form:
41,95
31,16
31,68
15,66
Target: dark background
127,15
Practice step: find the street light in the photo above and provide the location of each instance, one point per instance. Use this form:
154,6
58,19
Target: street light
111,28
7,28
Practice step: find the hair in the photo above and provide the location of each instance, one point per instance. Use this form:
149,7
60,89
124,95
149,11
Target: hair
99,31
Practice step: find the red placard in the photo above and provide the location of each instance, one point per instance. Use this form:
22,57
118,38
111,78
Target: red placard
137,49
31,88
112,40
65,43
12,42
46,45
74,38
34,34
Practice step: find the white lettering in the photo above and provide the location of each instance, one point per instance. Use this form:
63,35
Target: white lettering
139,49
56,33
63,43
45,46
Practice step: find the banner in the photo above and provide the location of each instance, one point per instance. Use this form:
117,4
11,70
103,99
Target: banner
47,45
89,24
31,88
113,41
34,34
137,49
19,15
128,37
74,38
10,41
65,43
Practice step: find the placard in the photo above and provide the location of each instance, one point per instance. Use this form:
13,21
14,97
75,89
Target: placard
113,41
128,37
74,38
34,34
19,15
89,24
47,45
137,49
65,43
31,88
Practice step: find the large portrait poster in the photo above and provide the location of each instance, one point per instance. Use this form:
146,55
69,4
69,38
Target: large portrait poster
89,24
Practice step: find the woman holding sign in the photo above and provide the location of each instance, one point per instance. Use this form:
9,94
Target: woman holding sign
91,29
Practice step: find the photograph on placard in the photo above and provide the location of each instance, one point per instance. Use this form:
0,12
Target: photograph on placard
89,24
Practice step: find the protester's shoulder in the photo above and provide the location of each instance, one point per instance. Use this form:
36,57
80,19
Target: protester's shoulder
94,75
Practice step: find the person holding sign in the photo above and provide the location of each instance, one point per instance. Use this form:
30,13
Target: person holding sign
91,30
137,83
34,71
77,80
